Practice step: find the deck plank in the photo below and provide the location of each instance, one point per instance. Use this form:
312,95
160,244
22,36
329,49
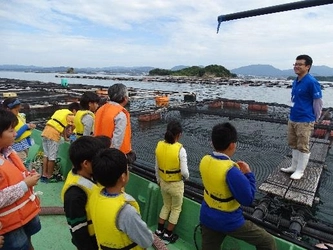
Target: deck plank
301,191
277,182
304,190
319,149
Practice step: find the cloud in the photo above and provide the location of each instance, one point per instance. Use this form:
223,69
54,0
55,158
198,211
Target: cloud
160,33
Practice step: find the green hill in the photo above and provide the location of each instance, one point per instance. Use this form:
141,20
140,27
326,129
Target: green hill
208,71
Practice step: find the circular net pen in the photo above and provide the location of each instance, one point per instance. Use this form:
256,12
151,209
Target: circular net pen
262,135
262,141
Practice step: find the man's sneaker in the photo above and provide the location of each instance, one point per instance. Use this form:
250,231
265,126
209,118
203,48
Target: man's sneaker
159,233
169,238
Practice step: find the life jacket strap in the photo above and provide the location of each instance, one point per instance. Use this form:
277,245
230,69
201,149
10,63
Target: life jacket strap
219,199
123,248
32,197
59,122
169,171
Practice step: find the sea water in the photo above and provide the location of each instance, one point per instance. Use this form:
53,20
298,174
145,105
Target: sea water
263,146
203,91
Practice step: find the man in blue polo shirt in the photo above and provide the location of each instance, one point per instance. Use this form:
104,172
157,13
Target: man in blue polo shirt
305,111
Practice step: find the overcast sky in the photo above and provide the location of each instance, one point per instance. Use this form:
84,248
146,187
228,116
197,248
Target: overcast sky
160,33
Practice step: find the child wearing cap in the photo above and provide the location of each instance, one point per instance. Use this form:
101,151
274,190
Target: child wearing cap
23,140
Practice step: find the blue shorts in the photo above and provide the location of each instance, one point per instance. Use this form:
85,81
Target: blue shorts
19,239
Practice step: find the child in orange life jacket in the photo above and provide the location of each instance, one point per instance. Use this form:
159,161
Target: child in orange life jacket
171,168
19,207
1,238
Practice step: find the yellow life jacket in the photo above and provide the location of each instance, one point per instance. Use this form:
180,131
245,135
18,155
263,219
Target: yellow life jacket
21,123
214,178
104,213
59,119
167,156
79,127
87,186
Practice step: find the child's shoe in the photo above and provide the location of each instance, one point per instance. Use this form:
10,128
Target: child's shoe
169,238
159,233
44,179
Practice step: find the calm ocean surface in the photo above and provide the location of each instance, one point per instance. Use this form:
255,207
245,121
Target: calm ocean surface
263,145
260,93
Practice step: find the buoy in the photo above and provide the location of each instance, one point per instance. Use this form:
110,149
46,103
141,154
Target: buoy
64,82
162,101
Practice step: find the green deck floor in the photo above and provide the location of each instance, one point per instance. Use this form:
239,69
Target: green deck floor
54,233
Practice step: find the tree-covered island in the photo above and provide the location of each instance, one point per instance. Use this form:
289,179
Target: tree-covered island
208,71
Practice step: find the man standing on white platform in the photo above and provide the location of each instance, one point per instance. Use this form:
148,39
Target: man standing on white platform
305,111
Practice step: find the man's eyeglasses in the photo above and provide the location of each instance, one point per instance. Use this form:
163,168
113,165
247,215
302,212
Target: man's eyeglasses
298,64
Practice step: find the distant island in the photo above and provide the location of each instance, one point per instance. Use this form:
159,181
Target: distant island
208,71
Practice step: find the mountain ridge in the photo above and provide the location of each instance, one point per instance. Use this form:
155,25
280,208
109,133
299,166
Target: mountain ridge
269,70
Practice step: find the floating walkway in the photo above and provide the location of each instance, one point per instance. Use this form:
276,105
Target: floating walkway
301,191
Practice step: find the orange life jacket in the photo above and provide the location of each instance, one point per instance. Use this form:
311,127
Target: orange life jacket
24,209
104,124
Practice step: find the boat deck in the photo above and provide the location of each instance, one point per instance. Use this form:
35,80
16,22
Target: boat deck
55,234
301,191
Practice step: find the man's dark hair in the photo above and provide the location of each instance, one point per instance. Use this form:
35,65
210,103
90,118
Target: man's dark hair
306,58
87,97
108,165
222,135
84,149
7,120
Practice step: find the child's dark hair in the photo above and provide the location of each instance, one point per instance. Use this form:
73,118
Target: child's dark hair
108,165
106,140
7,120
174,128
222,135
87,97
84,149
74,106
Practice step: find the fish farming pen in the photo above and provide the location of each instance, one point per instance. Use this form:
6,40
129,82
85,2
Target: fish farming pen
298,210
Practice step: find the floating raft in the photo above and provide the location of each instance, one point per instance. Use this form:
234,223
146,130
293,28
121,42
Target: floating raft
301,191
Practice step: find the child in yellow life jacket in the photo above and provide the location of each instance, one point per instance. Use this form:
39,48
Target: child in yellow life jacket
171,168
227,186
55,128
114,213
23,140
85,117
77,190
